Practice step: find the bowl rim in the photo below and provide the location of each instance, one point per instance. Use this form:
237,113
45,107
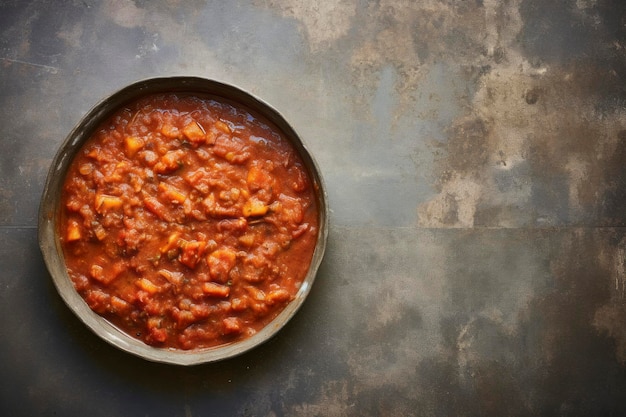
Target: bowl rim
49,210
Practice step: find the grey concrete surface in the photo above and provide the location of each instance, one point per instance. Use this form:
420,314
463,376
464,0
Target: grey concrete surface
473,153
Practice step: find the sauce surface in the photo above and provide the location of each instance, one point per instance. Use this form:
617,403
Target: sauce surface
187,221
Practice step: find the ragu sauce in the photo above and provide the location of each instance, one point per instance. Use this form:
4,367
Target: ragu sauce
187,221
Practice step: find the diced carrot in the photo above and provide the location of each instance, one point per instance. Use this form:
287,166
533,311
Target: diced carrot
106,202
191,253
170,131
254,207
73,231
194,132
230,156
148,286
154,206
172,193
213,289
225,255
94,154
259,178
133,145
172,242
255,175
247,239
169,162
222,126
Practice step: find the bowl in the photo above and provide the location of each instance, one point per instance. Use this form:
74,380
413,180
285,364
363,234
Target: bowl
49,217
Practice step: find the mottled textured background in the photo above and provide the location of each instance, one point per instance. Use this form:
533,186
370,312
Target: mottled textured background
472,152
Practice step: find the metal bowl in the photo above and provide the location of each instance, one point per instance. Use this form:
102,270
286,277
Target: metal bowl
49,212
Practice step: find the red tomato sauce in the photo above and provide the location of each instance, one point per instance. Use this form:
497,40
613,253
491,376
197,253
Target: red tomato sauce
187,221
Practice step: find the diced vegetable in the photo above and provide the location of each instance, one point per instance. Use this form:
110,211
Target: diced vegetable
73,231
157,333
259,178
170,131
97,272
212,208
183,317
172,193
215,290
148,286
118,305
104,203
85,169
100,232
254,207
155,207
220,263
172,242
97,300
239,304
277,296
220,125
247,239
169,162
231,325
233,149
175,278
256,294
194,132
191,252
133,145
